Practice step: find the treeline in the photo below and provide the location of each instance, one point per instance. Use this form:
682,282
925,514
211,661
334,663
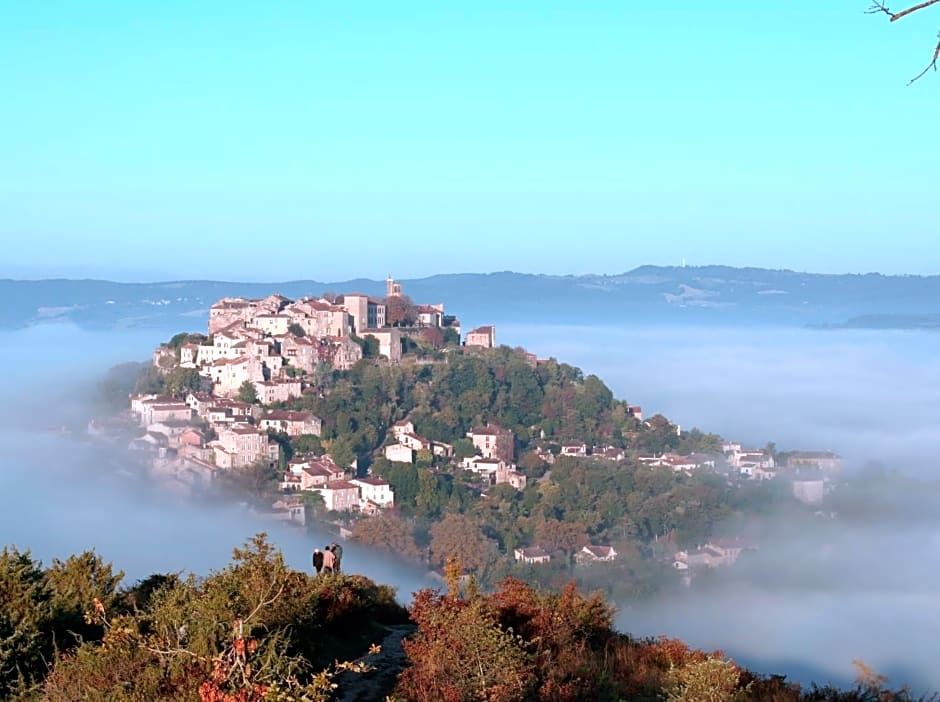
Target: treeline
448,398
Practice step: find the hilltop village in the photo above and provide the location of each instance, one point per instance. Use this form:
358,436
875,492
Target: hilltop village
382,419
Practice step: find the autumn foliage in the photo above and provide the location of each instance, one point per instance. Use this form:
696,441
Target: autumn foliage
518,644
255,630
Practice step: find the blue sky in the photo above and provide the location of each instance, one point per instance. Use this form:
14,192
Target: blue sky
329,140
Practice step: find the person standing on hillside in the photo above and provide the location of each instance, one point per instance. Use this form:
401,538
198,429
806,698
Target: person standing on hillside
329,561
317,560
337,555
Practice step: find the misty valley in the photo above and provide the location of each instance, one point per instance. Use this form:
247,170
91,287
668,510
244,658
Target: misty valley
853,578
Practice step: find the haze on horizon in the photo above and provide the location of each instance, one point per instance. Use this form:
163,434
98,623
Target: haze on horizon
230,141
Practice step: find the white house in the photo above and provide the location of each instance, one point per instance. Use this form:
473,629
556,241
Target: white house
532,555
399,454
375,490
593,554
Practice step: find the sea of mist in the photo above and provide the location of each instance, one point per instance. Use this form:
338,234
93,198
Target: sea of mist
812,601
61,494
867,395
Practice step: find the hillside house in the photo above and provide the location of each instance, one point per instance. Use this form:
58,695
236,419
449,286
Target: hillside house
492,441
365,312
414,442
374,490
389,342
289,509
430,316
714,554
228,374
242,445
173,412
482,337
271,324
292,423
398,453
532,555
189,353
608,453
319,318
829,463
200,402
596,554
339,496
576,450
508,475
271,391
439,448
404,426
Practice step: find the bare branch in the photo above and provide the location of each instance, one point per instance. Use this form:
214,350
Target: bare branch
266,602
915,8
880,7
932,64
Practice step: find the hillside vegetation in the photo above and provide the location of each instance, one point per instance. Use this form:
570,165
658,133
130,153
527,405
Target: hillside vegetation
257,630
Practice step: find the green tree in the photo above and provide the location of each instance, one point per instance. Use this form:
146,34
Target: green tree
26,618
77,586
342,451
296,330
463,448
182,381
247,393
370,347
150,381
306,444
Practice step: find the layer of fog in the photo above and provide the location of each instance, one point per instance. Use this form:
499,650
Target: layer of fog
867,395
808,603
60,494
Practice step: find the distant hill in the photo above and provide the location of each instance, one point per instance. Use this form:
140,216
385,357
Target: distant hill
649,294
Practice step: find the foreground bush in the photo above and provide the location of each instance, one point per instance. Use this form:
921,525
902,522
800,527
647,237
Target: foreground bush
253,631
518,644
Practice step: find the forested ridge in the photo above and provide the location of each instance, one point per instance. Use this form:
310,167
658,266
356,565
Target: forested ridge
442,510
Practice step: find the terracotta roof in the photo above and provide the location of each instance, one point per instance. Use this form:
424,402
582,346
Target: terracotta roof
491,430
289,416
341,485
244,430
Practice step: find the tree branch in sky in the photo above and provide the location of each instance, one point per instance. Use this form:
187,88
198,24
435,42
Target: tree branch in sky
880,7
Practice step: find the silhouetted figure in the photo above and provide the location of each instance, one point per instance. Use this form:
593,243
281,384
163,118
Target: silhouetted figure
338,555
329,561
317,560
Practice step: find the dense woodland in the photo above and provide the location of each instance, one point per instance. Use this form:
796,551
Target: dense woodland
442,511
257,630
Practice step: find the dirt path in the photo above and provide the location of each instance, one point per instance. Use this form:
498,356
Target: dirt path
375,685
